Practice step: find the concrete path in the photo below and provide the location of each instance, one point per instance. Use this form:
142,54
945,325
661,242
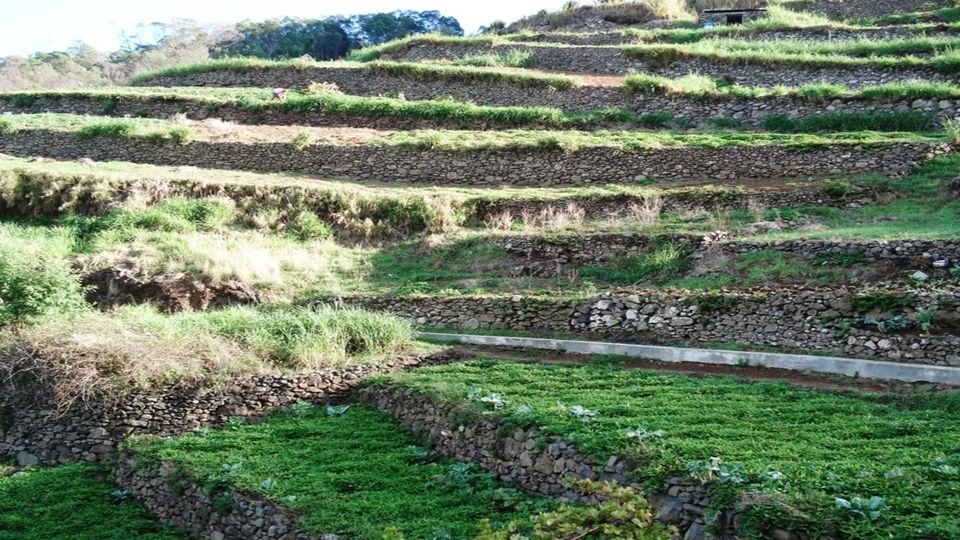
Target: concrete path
870,369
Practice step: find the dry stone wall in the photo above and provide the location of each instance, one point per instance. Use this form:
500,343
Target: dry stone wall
678,201
180,500
524,458
565,249
807,320
747,113
34,431
526,167
868,9
360,81
612,60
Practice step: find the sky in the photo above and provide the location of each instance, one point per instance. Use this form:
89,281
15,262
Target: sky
28,26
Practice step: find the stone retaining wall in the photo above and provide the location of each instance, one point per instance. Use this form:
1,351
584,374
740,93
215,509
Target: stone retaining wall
746,113
868,9
565,249
185,503
525,459
807,320
612,60
33,431
30,194
520,167
678,201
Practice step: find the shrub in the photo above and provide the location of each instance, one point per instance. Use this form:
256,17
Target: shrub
181,135
106,129
723,123
621,513
307,226
883,302
24,100
301,141
33,285
6,126
655,120
324,89
666,261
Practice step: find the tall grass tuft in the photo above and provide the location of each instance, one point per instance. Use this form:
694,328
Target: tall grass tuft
107,355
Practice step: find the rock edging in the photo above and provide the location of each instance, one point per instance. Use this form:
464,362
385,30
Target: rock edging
524,459
33,432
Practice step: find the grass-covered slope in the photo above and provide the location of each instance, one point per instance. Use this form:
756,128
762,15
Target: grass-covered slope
354,475
806,453
73,502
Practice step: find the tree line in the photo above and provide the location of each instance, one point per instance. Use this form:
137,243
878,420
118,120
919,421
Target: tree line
158,45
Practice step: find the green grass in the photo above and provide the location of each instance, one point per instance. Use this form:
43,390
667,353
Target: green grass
456,113
890,55
410,70
569,140
513,58
433,72
221,64
703,87
665,261
845,121
825,445
368,54
73,502
86,127
625,140
947,15
354,475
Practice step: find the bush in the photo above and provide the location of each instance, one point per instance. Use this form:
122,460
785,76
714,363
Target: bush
6,126
33,286
181,135
621,513
301,141
307,226
106,129
666,261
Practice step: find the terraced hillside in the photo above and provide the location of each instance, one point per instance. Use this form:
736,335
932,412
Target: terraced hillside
213,296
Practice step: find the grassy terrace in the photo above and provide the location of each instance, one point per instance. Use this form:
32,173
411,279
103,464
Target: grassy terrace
461,113
276,235
696,86
453,111
802,54
887,54
355,475
74,502
157,130
799,450
408,70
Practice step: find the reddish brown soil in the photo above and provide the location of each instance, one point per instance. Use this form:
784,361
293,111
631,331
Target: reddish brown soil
112,287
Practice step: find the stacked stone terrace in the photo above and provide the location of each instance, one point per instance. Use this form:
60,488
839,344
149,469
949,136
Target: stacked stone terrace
361,148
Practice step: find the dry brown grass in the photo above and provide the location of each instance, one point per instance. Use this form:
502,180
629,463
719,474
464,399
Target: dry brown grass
647,212
100,357
550,218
